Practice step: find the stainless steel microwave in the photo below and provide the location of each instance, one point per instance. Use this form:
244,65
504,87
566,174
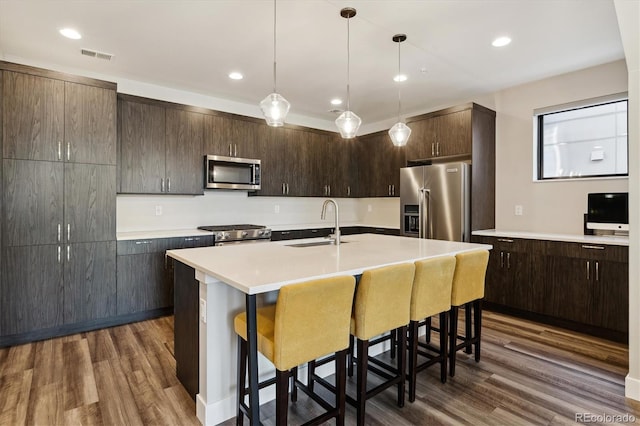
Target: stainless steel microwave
232,173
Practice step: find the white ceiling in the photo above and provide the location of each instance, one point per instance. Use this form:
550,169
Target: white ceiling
193,45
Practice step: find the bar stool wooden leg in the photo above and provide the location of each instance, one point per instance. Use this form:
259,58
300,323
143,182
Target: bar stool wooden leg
282,400
361,391
443,346
350,357
341,382
402,363
467,326
413,359
453,335
294,388
477,311
241,375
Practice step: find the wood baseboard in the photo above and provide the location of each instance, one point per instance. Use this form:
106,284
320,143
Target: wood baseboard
65,330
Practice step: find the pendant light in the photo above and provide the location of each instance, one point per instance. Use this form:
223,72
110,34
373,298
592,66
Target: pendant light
274,107
348,122
400,132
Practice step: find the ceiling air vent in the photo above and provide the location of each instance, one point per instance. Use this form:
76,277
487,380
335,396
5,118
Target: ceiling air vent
96,54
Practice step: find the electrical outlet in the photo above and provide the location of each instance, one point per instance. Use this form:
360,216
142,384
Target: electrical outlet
518,210
203,311
158,210
369,208
276,209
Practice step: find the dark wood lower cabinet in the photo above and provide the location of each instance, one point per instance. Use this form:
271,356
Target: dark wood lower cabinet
89,281
32,288
145,273
579,286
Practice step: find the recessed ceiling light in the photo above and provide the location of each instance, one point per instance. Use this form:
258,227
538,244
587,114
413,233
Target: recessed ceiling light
336,101
501,41
70,33
235,76
400,77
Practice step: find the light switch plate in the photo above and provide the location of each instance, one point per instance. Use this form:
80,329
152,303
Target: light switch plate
518,210
158,210
276,209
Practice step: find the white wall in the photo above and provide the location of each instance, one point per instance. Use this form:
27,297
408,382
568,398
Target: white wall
138,212
628,14
552,207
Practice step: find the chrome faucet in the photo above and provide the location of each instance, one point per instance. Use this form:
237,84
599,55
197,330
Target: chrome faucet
336,232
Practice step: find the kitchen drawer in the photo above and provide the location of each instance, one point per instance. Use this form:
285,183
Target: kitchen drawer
351,230
381,231
317,232
160,245
587,251
514,245
286,235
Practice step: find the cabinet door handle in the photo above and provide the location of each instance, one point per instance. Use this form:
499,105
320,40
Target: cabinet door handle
59,254
389,190
161,184
592,247
597,271
143,242
68,232
505,240
437,149
235,149
329,190
230,152
508,260
588,270
59,150
287,189
348,191
433,149
59,231
168,184
68,252
285,233
502,259
68,151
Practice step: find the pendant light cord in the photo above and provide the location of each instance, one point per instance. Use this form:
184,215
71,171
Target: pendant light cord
399,80
274,46
348,67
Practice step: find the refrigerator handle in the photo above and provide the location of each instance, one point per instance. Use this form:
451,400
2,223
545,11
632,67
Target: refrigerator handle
421,213
426,225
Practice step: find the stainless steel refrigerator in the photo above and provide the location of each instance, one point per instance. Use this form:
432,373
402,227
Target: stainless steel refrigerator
435,201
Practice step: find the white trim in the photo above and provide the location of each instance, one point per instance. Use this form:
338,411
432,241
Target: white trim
579,179
632,387
622,96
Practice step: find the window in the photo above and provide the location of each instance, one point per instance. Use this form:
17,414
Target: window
583,140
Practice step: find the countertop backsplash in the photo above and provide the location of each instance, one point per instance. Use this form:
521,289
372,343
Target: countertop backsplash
139,212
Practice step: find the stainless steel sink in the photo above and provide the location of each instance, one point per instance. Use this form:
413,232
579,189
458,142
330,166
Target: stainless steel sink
315,243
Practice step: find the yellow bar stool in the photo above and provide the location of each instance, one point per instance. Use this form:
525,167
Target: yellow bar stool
467,291
431,295
308,321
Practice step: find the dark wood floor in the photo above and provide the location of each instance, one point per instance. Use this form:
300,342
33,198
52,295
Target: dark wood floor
529,374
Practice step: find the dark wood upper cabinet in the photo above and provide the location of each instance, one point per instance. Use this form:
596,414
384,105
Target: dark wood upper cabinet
184,152
90,124
453,133
160,148
142,147
32,202
33,117
379,166
89,203
233,137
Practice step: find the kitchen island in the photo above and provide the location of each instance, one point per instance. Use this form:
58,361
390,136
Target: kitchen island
236,277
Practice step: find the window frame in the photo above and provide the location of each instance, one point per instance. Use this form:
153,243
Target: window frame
538,117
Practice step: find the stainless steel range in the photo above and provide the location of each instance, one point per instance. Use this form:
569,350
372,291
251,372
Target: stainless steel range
236,234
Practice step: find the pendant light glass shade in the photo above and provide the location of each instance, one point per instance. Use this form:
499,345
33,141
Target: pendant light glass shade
274,107
399,134
348,122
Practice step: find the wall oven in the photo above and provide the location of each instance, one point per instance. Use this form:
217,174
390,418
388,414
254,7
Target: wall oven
232,173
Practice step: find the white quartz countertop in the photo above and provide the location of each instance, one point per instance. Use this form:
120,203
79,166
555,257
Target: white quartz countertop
171,233
326,224
259,268
571,238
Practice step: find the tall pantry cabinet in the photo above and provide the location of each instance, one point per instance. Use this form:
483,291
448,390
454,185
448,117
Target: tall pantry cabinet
58,201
